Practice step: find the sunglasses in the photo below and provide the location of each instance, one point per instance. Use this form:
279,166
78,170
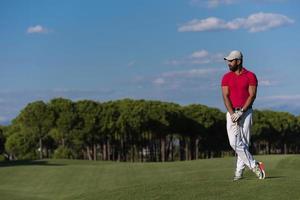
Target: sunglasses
231,60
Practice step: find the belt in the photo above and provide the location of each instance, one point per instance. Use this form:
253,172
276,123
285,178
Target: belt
239,109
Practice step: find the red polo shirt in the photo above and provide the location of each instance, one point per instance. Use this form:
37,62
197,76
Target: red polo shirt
238,86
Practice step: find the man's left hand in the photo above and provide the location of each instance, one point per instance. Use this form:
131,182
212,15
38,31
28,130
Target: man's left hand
236,115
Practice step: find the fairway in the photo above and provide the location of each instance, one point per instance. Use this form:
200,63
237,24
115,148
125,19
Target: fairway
201,179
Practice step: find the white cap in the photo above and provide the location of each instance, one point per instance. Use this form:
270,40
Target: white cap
234,55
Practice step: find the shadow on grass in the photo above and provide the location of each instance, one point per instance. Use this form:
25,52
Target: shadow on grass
267,178
274,177
27,162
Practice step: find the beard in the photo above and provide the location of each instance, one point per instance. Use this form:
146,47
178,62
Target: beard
233,68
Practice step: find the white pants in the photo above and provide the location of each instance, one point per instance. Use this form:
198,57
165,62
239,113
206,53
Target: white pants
239,139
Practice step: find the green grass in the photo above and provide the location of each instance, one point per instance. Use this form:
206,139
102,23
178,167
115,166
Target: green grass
201,179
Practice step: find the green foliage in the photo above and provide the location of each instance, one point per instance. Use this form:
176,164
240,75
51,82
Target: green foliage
21,143
66,119
2,139
279,131
89,115
2,158
130,129
63,153
210,127
38,117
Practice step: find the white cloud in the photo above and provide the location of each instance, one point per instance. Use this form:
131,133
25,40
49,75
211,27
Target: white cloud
197,57
264,82
159,81
212,3
173,62
295,97
271,1
193,85
131,63
264,21
199,54
217,3
256,22
288,102
193,73
207,78
37,29
211,23
193,78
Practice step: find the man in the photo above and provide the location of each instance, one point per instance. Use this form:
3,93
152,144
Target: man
239,88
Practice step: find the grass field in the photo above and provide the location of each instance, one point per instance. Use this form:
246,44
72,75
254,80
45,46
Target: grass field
201,179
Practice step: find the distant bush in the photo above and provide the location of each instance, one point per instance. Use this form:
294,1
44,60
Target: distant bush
29,156
63,152
2,158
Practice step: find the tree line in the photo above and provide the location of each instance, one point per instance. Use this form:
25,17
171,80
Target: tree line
137,130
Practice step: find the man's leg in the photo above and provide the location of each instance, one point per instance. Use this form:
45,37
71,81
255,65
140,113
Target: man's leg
239,137
245,124
235,136
240,166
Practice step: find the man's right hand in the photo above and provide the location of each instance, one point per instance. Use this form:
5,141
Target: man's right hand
236,116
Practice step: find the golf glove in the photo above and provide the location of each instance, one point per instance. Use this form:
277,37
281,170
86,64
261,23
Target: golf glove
236,116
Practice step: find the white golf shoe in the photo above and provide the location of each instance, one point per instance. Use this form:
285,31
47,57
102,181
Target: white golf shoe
259,170
236,178
238,175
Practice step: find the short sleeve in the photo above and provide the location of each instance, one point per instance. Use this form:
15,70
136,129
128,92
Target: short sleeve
252,79
225,81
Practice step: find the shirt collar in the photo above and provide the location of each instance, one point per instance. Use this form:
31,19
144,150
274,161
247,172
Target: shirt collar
244,71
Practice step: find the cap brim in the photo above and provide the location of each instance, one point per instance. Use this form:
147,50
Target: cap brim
231,58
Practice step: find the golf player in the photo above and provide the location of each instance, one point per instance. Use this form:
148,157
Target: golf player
239,88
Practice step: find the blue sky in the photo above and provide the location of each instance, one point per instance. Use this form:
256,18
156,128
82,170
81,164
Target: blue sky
169,50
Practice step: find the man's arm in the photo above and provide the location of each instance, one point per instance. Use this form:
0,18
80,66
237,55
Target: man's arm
252,95
227,102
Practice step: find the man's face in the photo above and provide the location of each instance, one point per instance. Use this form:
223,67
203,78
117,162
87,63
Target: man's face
233,65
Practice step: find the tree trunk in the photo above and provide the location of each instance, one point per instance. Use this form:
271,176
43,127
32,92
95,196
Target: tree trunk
169,148
113,152
181,149
108,150
95,151
197,148
157,155
192,148
172,151
88,153
119,153
285,148
153,151
63,142
41,148
186,149
84,154
150,151
104,151
47,153
141,154
163,149
124,153
132,153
